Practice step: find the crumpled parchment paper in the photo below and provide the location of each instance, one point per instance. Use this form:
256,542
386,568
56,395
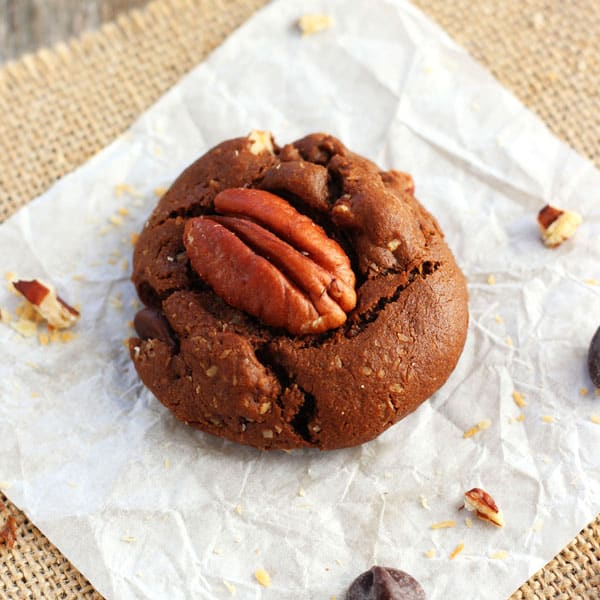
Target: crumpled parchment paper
148,508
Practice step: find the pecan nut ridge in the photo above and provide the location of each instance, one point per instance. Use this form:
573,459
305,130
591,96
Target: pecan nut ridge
268,274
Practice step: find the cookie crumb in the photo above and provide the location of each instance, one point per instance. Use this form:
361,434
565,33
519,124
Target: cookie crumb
584,391
129,539
229,587
469,522
591,281
519,399
116,301
43,339
238,509
538,525
498,319
123,211
499,555
133,238
430,553
521,418
5,485
124,188
160,191
481,426
491,280
509,341
116,220
25,327
443,525
595,419
262,577
457,551
548,419
314,23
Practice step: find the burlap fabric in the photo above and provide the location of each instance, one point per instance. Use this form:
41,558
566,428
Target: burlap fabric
60,106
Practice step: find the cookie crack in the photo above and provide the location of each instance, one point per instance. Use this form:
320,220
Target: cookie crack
307,410
305,415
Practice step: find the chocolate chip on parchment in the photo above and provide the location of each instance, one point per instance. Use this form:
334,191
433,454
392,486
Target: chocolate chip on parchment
594,359
383,583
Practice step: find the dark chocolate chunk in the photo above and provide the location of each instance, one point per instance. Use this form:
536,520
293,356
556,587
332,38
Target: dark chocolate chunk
594,359
383,583
151,324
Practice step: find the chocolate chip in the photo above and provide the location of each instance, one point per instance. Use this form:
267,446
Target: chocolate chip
152,324
383,583
594,359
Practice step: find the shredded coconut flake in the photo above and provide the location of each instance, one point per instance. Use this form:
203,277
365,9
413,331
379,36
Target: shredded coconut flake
262,577
310,24
481,426
129,539
457,551
124,188
519,399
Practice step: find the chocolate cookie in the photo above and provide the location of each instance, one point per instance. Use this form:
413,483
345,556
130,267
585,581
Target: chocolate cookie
296,296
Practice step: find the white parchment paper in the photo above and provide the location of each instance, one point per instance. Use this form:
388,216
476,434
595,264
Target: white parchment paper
148,508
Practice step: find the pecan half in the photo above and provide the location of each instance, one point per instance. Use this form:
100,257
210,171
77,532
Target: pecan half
484,506
45,301
266,258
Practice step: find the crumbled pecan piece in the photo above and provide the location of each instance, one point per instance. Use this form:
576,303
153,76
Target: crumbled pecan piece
44,300
484,506
8,533
557,225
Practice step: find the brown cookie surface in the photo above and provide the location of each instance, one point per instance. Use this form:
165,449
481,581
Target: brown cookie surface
226,372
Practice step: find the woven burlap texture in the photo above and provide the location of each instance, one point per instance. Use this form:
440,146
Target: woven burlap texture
61,106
